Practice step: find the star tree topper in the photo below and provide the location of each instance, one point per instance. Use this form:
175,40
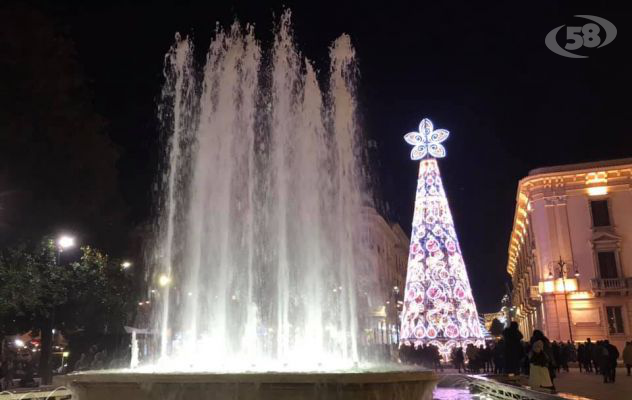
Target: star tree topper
427,142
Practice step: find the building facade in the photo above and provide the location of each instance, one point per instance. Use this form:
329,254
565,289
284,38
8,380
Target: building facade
384,256
570,252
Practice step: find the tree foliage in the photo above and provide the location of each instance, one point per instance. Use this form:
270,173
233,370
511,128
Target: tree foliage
90,294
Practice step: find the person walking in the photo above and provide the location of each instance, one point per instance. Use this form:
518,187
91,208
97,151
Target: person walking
513,348
499,357
472,358
627,356
459,359
539,361
565,355
588,351
555,350
580,357
547,349
596,357
613,356
603,359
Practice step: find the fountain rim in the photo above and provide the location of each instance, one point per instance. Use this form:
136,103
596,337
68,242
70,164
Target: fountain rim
336,377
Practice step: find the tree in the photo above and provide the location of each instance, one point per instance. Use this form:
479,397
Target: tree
439,308
57,165
90,294
497,327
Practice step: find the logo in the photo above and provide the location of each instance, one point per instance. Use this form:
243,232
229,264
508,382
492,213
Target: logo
595,34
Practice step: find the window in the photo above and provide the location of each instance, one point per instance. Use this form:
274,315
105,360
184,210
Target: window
615,319
600,212
607,264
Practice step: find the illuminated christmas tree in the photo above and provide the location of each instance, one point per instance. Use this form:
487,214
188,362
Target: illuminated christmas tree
438,305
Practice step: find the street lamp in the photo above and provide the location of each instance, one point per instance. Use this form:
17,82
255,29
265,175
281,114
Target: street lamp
65,242
126,264
164,280
562,268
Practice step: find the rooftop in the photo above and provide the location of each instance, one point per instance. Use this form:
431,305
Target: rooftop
580,166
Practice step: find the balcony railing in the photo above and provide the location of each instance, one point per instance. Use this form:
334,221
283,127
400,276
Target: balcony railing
611,284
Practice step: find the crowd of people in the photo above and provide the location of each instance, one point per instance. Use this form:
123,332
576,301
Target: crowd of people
17,373
542,360
599,357
538,358
427,356
18,369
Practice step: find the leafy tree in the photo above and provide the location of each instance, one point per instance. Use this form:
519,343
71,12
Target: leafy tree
90,294
497,327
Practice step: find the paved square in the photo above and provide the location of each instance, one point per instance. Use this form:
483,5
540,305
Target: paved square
592,386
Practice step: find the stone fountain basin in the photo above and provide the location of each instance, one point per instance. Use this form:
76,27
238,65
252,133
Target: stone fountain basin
391,385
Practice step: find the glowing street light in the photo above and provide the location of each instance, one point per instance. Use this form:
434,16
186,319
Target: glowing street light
126,264
65,242
19,343
164,280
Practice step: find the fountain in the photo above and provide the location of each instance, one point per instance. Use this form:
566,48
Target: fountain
260,231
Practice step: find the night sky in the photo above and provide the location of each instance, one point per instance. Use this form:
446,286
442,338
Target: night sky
481,70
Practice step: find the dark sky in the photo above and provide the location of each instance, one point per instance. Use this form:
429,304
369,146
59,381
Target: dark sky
482,71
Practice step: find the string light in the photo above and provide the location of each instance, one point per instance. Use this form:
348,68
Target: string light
439,308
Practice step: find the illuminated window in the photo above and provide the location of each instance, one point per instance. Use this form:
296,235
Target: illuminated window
600,212
607,264
615,320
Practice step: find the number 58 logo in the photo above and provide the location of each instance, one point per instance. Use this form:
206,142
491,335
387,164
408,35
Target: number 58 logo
589,35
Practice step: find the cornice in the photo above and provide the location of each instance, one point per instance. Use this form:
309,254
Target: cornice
554,185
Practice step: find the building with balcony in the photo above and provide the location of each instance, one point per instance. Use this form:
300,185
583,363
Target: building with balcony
570,252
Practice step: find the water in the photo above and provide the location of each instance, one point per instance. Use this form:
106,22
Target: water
260,213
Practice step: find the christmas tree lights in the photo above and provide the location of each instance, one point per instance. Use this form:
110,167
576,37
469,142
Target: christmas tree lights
439,308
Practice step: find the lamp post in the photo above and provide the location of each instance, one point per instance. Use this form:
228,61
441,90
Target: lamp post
562,267
64,242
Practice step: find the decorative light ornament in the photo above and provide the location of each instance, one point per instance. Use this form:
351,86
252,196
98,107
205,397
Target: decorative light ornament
438,308
427,141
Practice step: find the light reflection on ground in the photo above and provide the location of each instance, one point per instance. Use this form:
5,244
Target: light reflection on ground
456,394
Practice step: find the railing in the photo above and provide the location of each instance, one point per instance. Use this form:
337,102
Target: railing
493,389
605,284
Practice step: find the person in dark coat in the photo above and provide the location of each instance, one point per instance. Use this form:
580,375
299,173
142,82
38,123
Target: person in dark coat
627,356
581,357
588,351
596,357
513,348
498,354
555,349
603,360
459,359
565,355
613,355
